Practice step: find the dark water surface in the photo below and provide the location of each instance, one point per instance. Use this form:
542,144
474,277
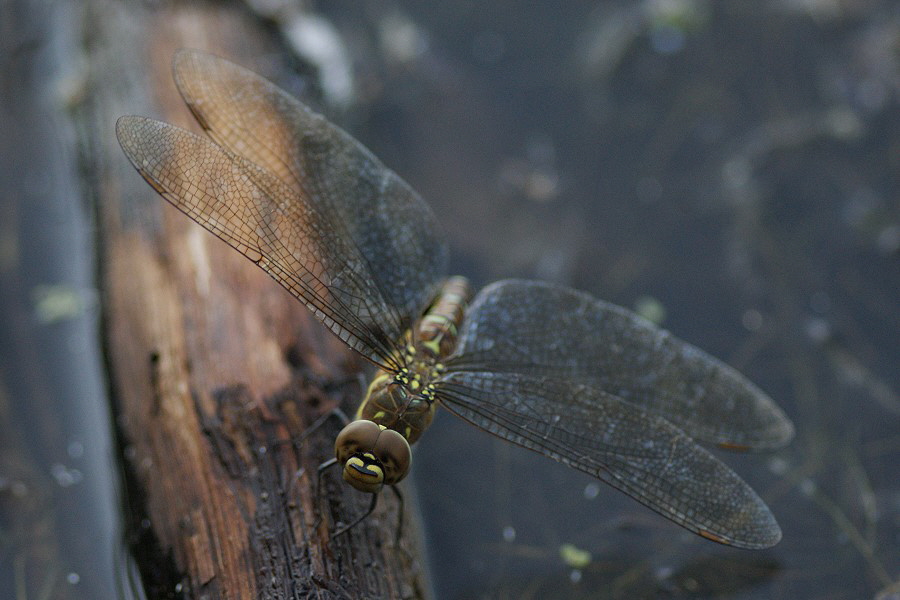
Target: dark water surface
733,165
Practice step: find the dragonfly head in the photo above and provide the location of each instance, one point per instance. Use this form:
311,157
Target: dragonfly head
372,455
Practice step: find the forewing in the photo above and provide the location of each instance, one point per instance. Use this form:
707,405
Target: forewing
392,228
542,329
631,449
280,229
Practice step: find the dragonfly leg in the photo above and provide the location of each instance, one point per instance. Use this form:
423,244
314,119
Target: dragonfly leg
399,533
334,412
358,520
298,441
318,492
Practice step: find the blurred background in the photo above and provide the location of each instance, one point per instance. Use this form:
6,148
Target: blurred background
729,169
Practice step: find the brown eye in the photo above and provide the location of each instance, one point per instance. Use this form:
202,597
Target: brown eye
358,436
393,451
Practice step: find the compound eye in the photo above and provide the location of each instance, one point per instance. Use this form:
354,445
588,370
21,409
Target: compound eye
354,438
393,451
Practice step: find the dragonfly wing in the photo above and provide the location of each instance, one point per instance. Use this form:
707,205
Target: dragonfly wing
636,451
280,229
544,329
393,229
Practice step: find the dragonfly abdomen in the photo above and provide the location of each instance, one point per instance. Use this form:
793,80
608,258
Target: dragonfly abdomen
437,331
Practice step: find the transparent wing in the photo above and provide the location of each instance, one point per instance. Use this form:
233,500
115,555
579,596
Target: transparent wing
282,230
633,450
548,330
365,203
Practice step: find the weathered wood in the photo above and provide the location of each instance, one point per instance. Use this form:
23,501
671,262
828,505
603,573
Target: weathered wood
216,370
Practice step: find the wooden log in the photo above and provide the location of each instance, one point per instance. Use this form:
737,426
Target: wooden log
216,370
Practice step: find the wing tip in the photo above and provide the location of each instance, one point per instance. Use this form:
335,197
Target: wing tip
184,55
777,434
755,540
752,528
124,123
128,133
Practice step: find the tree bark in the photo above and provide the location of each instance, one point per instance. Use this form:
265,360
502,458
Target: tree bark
217,371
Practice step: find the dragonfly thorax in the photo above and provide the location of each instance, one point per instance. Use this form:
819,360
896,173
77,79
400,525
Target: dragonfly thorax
403,401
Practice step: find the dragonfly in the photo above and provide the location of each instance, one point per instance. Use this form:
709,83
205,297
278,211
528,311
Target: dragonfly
545,367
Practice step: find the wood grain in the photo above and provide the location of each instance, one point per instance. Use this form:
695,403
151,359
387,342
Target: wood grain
216,371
